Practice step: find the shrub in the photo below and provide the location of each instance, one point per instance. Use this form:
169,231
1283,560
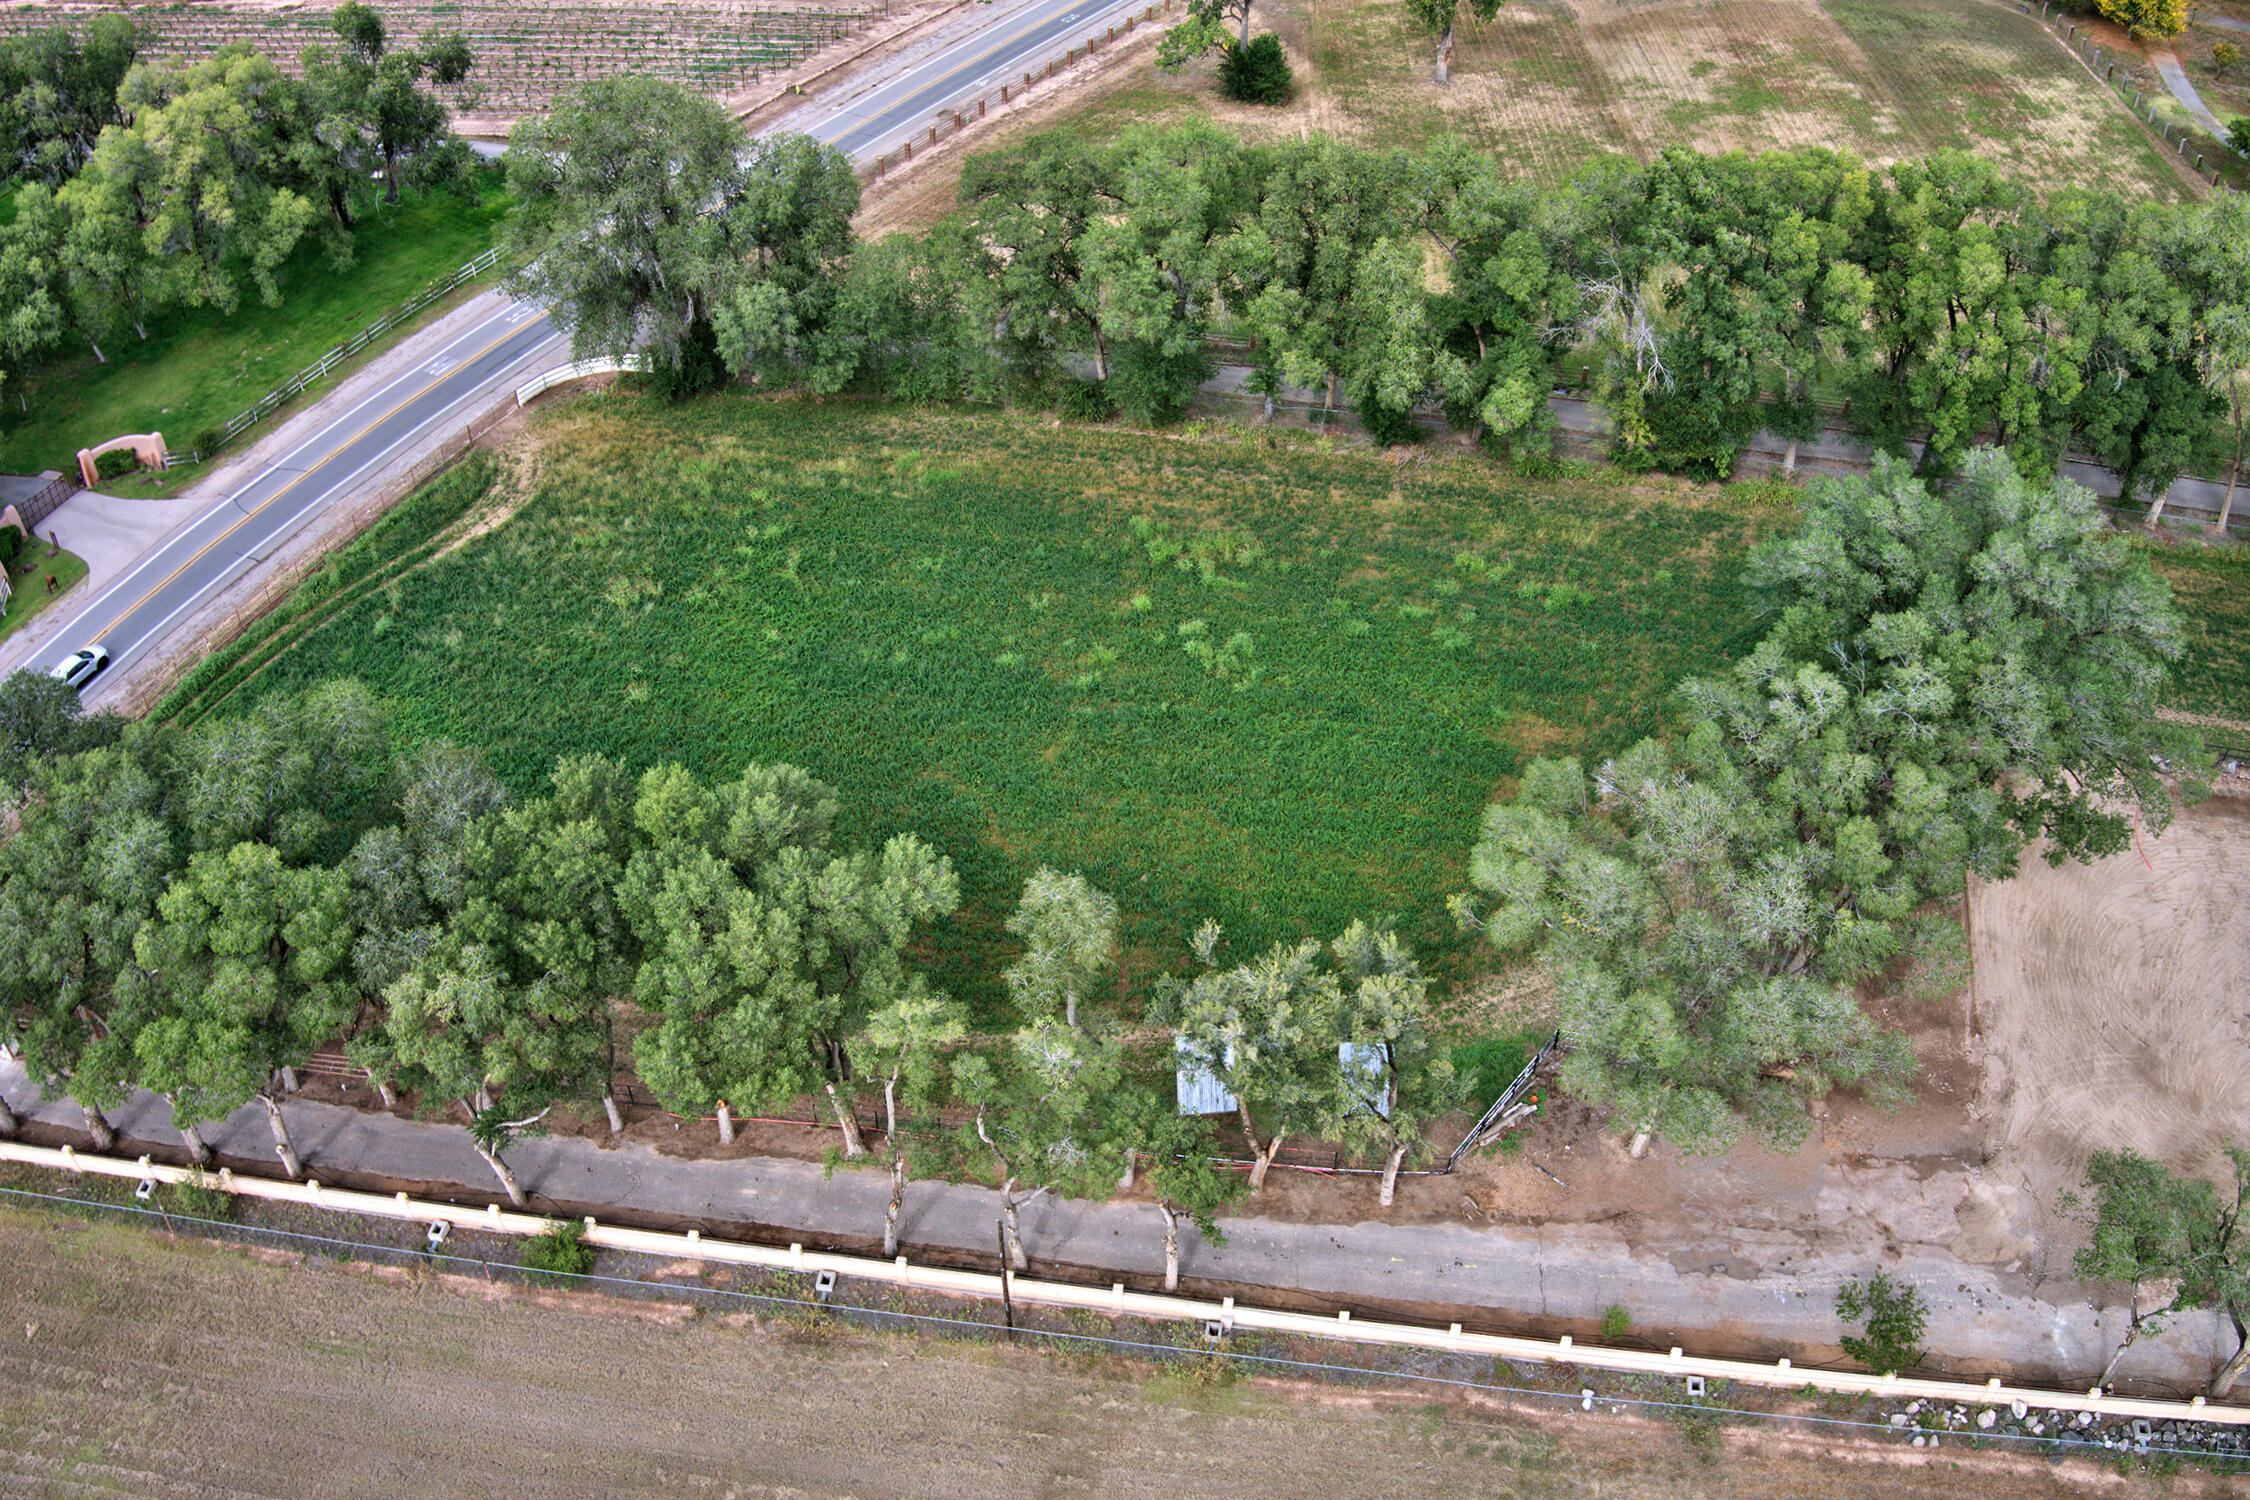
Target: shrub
2238,135
1388,426
2225,55
1489,1064
116,463
559,1253
1258,73
691,370
1615,1322
1895,1315
204,1199
11,545
209,441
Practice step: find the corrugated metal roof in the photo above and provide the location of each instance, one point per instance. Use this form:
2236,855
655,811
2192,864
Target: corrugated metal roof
1200,1092
1366,1058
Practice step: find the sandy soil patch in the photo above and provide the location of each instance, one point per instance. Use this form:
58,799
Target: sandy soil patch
2111,1003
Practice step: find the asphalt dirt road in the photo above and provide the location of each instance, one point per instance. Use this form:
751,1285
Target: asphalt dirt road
136,1365
410,414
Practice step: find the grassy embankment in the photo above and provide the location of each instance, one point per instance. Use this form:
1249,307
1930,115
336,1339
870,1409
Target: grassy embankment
1257,678
198,367
27,583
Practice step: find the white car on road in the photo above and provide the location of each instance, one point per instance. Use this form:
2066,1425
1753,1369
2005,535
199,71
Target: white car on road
79,668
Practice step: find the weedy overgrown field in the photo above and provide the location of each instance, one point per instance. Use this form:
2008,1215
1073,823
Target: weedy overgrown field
1226,673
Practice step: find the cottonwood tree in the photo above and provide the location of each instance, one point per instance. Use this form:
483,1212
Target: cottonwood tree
288,773
1398,1080
1950,676
1293,267
1268,1031
206,167
648,219
461,1027
41,721
245,971
2150,1225
1069,930
376,91
89,853
1505,294
907,1040
763,951
1184,1182
1046,1115
2214,245
1947,680
1703,970
58,93
1204,30
1436,18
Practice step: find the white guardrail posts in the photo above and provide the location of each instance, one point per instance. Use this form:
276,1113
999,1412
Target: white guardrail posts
1115,1299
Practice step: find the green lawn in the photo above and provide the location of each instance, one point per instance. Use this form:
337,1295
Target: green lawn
198,367
27,579
1225,676
2212,588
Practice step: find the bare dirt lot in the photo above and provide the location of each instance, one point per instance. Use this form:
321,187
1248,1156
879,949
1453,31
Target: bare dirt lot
145,1366
2112,1003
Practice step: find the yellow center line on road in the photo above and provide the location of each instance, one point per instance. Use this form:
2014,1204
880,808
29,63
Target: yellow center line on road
337,452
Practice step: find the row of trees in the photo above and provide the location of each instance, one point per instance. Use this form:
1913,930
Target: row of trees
1707,297
1948,678
195,913
147,184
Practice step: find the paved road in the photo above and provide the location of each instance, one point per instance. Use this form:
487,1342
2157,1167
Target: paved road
194,565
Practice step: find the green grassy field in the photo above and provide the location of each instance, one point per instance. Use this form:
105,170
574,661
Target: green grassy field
1227,674
199,367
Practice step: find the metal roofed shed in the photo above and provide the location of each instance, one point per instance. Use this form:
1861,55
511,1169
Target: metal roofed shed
1200,1092
1365,1061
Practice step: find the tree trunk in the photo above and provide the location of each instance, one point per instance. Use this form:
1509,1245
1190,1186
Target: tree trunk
1125,1183
1390,1174
1789,460
390,177
99,357
853,1146
2156,505
1245,27
726,1124
1008,1206
616,1120
10,1121
1329,413
289,1080
1271,1150
1444,49
281,1147
504,1172
2222,1384
1171,1246
1101,359
2234,472
105,1138
2132,1332
897,1206
1070,995
199,1149
386,1093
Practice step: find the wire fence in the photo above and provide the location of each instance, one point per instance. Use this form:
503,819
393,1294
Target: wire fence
812,1300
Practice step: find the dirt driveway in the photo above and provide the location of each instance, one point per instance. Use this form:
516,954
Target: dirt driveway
131,1365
